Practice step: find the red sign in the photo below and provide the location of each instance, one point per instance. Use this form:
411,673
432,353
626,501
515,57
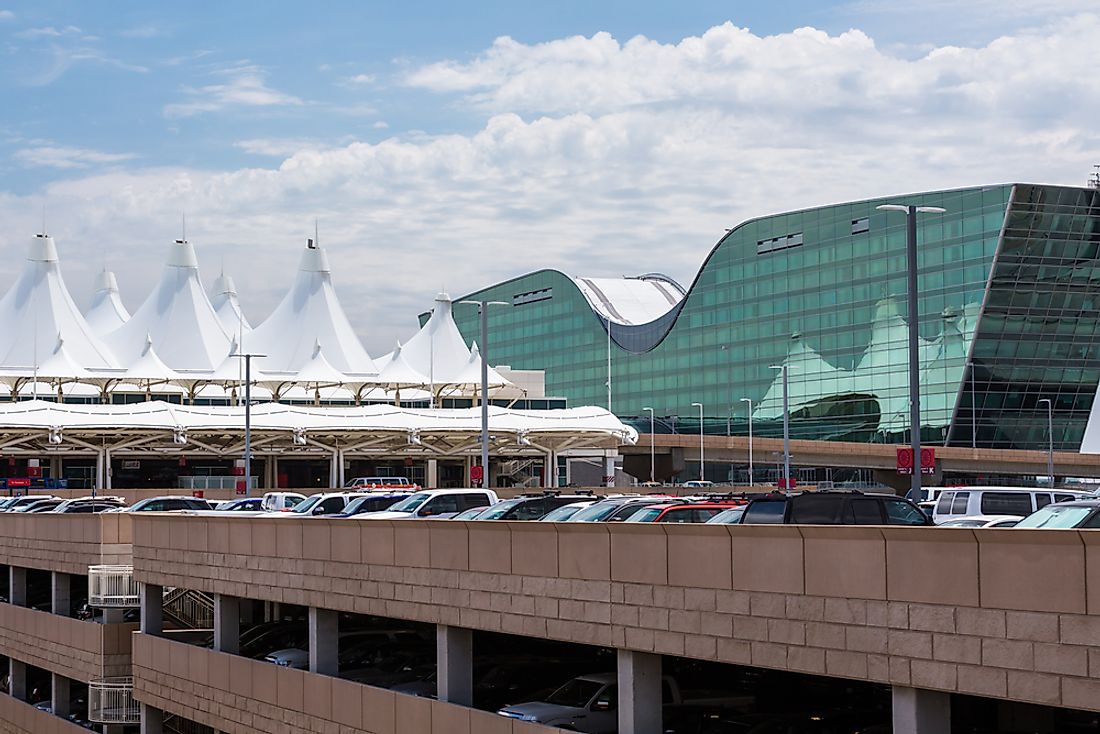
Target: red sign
476,475
19,483
927,461
198,493
240,487
783,483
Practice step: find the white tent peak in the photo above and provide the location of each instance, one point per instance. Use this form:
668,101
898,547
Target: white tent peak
228,306
224,285
310,313
38,307
438,349
106,281
106,312
187,333
399,373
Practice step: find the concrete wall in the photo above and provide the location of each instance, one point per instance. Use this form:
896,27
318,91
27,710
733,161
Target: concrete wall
66,543
1007,613
74,648
241,696
17,717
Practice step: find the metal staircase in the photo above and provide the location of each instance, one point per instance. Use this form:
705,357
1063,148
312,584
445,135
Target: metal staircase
178,725
188,608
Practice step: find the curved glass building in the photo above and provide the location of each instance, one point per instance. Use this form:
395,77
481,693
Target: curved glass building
1009,290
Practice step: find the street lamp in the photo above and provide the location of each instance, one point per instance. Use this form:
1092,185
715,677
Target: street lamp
701,464
911,212
483,311
749,401
652,454
247,357
786,428
1050,438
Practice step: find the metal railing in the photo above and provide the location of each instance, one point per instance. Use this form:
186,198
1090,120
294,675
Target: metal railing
112,586
111,701
189,608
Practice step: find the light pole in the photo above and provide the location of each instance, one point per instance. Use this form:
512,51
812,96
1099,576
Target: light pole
911,212
749,401
247,357
1050,438
652,454
483,311
701,464
786,428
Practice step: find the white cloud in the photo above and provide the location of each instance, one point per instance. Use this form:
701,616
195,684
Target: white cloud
48,32
380,125
6,15
594,156
360,80
245,86
60,156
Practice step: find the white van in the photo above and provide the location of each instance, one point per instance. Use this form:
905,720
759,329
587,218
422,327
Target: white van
956,502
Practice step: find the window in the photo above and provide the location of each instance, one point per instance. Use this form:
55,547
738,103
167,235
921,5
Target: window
1006,503
1042,499
471,499
679,515
330,505
816,509
859,226
441,504
1092,522
544,294
1060,498
778,243
900,512
764,512
864,511
959,503
943,504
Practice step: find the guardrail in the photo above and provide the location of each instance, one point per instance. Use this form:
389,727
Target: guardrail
113,587
111,701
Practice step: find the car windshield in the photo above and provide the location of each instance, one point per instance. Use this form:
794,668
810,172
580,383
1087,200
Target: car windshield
596,512
369,503
411,503
563,513
498,510
731,516
646,514
306,506
963,524
1055,516
575,694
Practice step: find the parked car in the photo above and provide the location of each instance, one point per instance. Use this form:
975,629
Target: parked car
362,483
322,503
833,507
168,504
530,506
245,504
1074,514
281,501
91,504
698,484
371,502
682,512
565,512
471,514
982,521
1019,501
298,657
42,505
435,503
614,509
732,516
13,504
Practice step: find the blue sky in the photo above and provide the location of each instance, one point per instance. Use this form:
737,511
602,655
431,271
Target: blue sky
500,137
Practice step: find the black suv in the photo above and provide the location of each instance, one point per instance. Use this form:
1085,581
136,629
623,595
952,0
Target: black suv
833,507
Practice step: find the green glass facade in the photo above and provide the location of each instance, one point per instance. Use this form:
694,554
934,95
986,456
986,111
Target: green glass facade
1009,281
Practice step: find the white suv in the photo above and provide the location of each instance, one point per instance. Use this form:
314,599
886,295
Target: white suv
324,503
435,504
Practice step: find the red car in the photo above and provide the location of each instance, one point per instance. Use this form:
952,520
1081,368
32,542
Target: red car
683,512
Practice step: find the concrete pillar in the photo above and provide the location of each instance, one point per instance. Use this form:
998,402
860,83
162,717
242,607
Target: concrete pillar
333,470
919,711
324,641
609,471
227,624
60,695
454,653
17,682
552,470
60,593
431,476
639,693
274,471
114,729
55,466
152,608
17,586
340,480
114,615
100,482
107,469
152,720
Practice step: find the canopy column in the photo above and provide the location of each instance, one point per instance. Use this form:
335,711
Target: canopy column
333,470
100,470
107,468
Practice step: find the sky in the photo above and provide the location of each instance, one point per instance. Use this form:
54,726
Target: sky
444,145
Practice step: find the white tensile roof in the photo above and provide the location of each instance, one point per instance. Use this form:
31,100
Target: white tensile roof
310,314
228,306
177,315
398,373
37,313
438,349
630,300
106,313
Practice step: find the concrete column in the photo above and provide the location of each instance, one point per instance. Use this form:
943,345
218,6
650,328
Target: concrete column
324,641
114,615
431,476
454,653
639,693
100,482
227,624
340,480
552,470
609,471
333,470
152,608
17,682
17,586
55,466
60,695
152,720
107,469
60,592
919,711
274,471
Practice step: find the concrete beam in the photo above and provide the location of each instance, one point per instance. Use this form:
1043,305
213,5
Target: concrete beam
640,710
454,651
919,711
